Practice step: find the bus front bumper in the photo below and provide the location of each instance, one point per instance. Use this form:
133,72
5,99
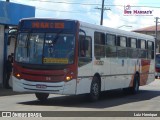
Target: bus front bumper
63,88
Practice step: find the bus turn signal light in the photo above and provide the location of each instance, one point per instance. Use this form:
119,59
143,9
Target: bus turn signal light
18,75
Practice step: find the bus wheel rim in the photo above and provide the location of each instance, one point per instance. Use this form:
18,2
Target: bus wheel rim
95,89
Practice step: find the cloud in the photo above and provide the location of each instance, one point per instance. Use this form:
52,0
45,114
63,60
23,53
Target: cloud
121,3
115,18
85,11
88,13
49,8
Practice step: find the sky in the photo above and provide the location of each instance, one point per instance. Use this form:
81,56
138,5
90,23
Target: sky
89,11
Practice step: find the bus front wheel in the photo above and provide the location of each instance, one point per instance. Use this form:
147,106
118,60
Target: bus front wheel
42,96
95,89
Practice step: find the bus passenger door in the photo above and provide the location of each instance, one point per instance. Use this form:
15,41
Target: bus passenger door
84,64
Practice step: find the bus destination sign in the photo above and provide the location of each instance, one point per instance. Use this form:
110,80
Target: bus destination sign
39,24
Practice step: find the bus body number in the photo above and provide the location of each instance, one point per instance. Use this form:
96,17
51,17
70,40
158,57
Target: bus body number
98,62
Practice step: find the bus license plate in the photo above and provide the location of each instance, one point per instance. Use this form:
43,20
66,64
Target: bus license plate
41,86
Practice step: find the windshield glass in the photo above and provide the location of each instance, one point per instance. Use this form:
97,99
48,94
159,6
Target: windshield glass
45,48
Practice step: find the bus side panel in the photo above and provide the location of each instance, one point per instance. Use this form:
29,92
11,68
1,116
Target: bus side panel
116,77
133,67
147,71
84,79
145,67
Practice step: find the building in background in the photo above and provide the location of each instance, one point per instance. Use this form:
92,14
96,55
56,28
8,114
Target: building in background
10,14
151,31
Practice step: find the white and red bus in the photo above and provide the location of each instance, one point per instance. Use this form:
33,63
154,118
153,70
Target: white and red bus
70,57
157,66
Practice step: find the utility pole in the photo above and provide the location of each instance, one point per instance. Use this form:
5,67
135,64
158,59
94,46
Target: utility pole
6,28
102,11
156,35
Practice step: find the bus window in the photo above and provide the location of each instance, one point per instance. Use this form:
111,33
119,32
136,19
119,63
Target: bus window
143,44
21,49
133,43
83,46
85,50
99,41
157,66
132,48
142,48
99,38
111,50
121,49
150,50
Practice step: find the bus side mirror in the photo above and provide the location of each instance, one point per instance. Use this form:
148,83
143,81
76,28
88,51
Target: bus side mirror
12,33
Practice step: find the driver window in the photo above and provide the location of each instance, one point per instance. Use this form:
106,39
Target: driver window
85,53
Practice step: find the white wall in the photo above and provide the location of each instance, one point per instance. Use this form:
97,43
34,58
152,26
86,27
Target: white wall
1,52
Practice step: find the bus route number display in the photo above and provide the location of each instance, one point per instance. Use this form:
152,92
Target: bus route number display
56,60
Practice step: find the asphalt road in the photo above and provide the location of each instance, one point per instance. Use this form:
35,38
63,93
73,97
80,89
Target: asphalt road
148,99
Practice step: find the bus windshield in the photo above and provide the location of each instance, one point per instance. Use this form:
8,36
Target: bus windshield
45,48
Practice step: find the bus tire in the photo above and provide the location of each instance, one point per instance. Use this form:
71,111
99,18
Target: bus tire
135,88
95,89
42,96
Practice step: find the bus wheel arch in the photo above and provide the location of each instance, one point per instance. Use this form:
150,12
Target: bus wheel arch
95,88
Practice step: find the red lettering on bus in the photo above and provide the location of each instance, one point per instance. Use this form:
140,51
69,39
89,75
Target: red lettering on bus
47,25
35,24
52,25
44,25
59,25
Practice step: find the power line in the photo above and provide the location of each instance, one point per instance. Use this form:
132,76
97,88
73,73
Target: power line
81,12
90,4
73,11
64,2
70,12
61,10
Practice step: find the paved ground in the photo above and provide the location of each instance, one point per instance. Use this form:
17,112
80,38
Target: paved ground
148,99
8,92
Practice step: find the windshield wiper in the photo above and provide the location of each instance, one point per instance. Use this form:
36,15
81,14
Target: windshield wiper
56,37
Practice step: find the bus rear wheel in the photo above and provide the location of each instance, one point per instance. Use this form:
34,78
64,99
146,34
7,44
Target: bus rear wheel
135,88
42,96
95,89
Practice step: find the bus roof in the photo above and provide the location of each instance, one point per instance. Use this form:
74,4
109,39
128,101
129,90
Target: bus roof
118,31
102,28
